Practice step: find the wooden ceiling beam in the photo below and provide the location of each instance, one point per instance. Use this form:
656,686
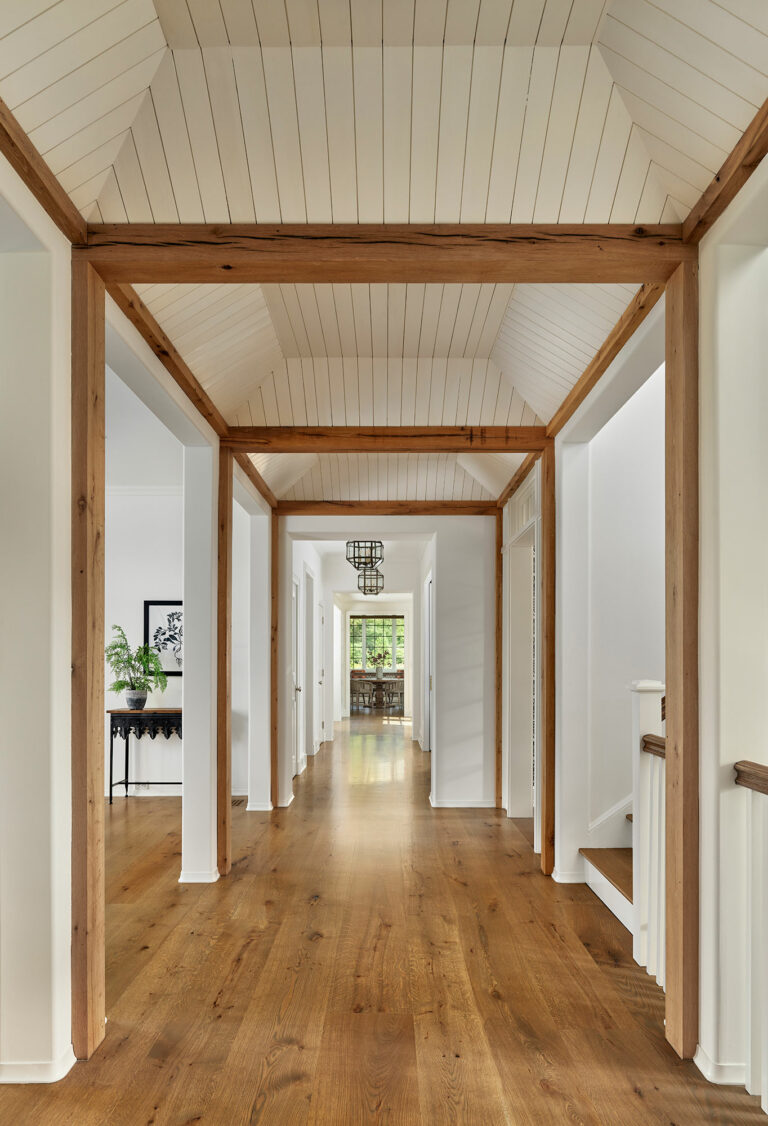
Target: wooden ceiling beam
359,252
739,165
24,158
385,439
385,508
518,479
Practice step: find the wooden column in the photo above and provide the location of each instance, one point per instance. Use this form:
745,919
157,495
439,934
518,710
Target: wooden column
547,562
682,660
274,572
224,667
88,958
499,578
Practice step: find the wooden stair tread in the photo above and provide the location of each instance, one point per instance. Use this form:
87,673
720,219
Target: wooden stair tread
615,864
630,817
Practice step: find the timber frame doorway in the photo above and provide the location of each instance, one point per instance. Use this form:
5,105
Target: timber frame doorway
110,259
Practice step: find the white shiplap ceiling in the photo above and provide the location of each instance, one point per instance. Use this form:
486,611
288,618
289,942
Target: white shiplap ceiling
384,110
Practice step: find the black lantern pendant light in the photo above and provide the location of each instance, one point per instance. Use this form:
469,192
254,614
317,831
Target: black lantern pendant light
370,581
365,554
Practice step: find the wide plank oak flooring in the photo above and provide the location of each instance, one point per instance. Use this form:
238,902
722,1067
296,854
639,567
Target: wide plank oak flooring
368,960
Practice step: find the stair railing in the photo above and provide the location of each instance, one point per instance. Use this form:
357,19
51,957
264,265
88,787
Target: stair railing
648,827
753,776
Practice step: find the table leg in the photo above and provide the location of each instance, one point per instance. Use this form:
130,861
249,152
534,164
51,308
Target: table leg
111,753
127,737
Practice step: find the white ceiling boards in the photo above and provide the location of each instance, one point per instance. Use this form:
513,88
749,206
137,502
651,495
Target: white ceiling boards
385,111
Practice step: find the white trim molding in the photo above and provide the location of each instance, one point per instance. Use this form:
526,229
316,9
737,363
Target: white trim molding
259,807
38,1071
616,903
726,1074
568,877
199,877
489,803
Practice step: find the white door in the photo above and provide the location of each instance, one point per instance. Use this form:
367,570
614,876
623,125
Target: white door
428,677
295,710
309,669
320,687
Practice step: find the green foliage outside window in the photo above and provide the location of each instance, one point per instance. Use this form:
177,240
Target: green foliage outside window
375,643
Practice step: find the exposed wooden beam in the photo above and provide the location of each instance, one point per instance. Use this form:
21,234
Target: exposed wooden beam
682,661
274,667
629,321
385,508
499,632
352,252
88,972
129,302
256,479
224,666
518,479
386,439
24,158
548,555
736,170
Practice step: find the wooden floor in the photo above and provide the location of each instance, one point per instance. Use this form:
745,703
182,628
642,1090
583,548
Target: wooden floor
369,960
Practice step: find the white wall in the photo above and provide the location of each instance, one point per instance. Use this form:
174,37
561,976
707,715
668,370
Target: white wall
463,567
733,707
35,654
610,593
144,559
626,598
241,640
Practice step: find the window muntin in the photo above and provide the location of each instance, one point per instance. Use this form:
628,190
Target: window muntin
370,636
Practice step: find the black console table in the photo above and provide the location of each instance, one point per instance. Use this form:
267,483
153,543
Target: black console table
149,721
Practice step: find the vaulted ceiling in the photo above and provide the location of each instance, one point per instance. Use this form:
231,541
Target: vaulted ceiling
293,111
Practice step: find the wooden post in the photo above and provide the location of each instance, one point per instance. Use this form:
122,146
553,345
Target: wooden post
274,572
547,786
499,647
682,660
88,958
224,667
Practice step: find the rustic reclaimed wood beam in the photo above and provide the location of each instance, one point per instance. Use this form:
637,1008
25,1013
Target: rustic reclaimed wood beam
386,508
385,439
738,166
359,252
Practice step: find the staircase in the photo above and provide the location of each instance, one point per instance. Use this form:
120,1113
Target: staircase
609,874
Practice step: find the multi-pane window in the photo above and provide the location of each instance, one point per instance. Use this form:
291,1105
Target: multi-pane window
377,641
355,643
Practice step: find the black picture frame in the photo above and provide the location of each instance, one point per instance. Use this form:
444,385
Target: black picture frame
169,660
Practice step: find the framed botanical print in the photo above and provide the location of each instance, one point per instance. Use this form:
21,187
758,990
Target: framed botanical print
164,631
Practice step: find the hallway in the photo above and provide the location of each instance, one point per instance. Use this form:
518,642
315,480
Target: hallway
369,960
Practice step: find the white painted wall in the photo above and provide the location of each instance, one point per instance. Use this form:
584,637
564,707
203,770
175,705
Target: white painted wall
610,593
733,709
144,559
626,598
35,655
241,642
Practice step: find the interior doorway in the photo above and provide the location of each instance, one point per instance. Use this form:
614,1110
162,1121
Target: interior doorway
295,677
309,664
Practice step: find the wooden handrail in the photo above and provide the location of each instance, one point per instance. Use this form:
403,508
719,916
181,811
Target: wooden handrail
654,745
752,775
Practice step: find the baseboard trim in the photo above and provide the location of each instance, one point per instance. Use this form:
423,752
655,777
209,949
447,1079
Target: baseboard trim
439,804
199,877
285,804
725,1074
568,877
616,903
259,807
39,1071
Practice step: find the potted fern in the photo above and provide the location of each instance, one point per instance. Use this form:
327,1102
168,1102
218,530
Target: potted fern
136,671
